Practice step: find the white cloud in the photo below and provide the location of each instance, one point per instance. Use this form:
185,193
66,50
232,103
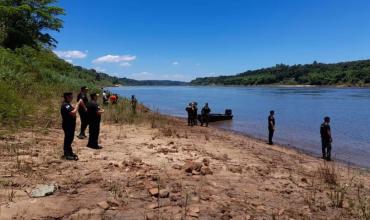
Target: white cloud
125,64
69,61
114,59
175,63
71,54
99,69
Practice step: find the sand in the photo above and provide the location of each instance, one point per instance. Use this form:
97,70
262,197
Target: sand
173,172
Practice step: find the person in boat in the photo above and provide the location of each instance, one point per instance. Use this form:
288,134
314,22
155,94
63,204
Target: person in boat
82,111
68,113
133,104
271,126
94,115
195,113
205,115
189,110
326,139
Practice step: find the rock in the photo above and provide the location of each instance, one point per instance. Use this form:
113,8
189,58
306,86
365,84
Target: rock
153,191
194,172
152,206
177,167
194,211
304,180
190,166
151,216
43,190
206,162
164,193
81,214
235,169
175,197
206,171
104,205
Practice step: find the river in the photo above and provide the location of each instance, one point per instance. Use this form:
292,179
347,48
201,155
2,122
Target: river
298,113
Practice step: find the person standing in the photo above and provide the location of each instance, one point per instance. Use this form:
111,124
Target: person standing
94,115
68,113
205,113
195,113
133,104
271,126
326,139
189,110
82,111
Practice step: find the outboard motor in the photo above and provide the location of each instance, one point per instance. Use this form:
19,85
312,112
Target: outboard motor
228,112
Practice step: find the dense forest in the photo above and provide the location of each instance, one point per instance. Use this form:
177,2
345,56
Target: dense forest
356,73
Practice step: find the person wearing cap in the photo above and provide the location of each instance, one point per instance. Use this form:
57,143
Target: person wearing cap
68,113
326,139
82,111
271,126
94,115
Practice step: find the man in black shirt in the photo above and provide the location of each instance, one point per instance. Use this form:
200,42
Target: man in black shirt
133,104
271,126
82,111
195,113
205,113
94,115
68,113
189,110
326,139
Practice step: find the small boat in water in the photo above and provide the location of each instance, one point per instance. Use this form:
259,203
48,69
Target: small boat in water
219,117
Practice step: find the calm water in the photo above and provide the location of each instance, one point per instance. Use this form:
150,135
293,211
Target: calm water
299,113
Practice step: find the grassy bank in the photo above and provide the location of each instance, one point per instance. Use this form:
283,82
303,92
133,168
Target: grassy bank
32,83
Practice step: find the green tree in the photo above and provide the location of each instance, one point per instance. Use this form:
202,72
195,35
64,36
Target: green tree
29,22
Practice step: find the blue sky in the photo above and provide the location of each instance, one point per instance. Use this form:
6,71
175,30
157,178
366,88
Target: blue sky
185,39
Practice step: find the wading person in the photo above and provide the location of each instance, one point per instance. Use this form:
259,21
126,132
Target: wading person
271,126
326,139
133,104
94,114
68,113
205,115
82,111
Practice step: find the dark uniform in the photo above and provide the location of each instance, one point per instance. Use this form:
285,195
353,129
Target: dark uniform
205,113
69,126
189,110
271,125
325,141
94,124
195,115
133,104
83,114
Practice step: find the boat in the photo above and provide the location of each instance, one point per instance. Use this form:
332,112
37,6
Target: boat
213,117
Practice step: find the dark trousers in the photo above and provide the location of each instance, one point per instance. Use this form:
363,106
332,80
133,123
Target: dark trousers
195,119
204,120
94,130
271,135
69,133
326,149
84,122
190,120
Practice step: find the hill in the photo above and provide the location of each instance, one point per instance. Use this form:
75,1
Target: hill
132,82
355,73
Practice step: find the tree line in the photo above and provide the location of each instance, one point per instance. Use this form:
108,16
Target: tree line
355,73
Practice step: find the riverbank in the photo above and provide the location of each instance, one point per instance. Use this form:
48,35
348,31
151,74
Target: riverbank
164,169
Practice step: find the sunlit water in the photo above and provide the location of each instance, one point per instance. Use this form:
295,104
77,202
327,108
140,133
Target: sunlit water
299,113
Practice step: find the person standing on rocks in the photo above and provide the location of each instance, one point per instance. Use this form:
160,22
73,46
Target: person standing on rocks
271,126
205,113
189,110
82,111
68,113
94,115
326,139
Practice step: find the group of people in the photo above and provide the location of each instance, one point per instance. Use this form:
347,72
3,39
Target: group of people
90,115
108,97
325,133
192,111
